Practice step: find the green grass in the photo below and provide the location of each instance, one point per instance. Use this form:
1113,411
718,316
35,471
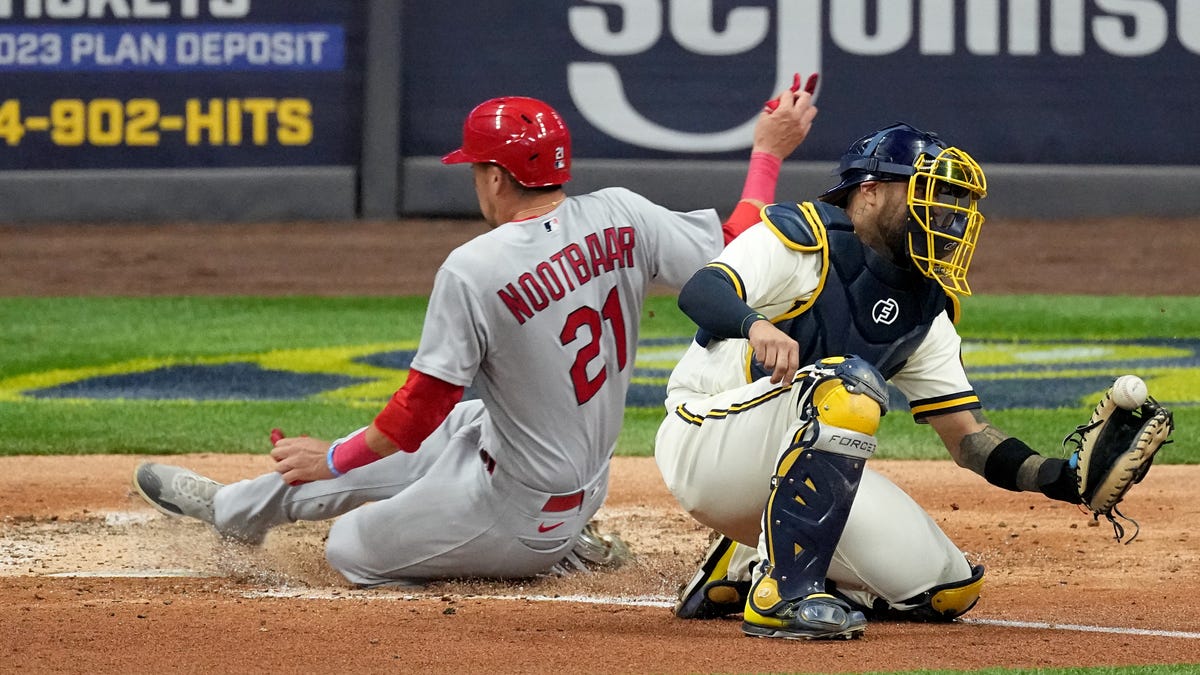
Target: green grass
44,335
1036,317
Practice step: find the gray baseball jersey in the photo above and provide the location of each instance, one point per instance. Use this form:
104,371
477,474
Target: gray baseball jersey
542,317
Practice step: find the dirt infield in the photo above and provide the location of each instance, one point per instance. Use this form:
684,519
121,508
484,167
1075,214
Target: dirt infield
93,580
224,608
1097,257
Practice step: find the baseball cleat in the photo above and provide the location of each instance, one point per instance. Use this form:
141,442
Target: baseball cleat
601,548
710,595
817,617
176,491
593,549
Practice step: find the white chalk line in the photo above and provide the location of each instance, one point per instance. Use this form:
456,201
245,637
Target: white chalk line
622,601
1084,629
312,594
664,602
135,574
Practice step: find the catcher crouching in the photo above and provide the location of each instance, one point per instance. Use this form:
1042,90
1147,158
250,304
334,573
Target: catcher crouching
862,284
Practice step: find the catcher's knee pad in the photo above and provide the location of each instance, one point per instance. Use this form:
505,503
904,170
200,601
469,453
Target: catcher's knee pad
948,601
840,403
842,391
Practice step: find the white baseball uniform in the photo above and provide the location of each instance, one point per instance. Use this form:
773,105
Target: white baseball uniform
542,317
719,444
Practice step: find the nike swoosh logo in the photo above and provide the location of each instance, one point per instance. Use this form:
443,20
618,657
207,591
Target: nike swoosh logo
542,527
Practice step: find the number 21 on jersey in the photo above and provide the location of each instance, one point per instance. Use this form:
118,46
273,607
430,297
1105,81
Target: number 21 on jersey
594,320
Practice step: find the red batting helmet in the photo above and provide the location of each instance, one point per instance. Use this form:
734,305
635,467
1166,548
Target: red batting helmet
523,135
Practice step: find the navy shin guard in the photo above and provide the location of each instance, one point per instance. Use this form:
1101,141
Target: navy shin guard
806,513
816,478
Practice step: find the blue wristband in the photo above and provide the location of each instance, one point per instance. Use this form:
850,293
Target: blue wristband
329,459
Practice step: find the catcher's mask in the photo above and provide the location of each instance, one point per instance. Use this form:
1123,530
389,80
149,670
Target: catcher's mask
524,135
944,188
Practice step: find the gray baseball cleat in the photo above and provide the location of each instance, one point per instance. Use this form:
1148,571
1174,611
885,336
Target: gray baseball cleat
819,616
593,549
176,491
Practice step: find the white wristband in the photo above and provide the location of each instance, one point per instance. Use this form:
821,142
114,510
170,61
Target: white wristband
329,459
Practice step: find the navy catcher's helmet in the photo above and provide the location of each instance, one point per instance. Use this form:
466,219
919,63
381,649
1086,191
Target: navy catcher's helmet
889,154
944,188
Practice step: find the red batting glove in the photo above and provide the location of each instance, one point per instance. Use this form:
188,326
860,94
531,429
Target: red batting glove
810,87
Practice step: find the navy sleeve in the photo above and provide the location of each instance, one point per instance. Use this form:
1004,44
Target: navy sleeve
711,299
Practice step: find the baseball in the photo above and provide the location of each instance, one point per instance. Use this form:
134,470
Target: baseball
1129,392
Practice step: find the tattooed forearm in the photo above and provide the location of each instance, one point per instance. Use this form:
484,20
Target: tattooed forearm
974,449
1001,459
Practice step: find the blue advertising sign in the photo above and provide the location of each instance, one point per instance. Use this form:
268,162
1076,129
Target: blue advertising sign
1011,81
99,84
211,47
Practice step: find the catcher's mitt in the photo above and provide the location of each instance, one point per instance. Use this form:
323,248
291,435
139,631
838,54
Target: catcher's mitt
1113,451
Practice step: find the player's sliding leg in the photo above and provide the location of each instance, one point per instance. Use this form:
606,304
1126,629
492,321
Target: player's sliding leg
176,491
816,478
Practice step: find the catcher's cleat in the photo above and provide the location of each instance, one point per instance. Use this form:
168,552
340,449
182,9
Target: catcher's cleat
176,491
819,616
710,594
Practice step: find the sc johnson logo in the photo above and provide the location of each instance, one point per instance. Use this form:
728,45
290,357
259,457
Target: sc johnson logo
1122,28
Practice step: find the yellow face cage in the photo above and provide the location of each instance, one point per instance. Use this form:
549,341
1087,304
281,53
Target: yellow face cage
943,200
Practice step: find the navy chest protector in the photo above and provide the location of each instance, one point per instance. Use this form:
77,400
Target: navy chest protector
866,306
